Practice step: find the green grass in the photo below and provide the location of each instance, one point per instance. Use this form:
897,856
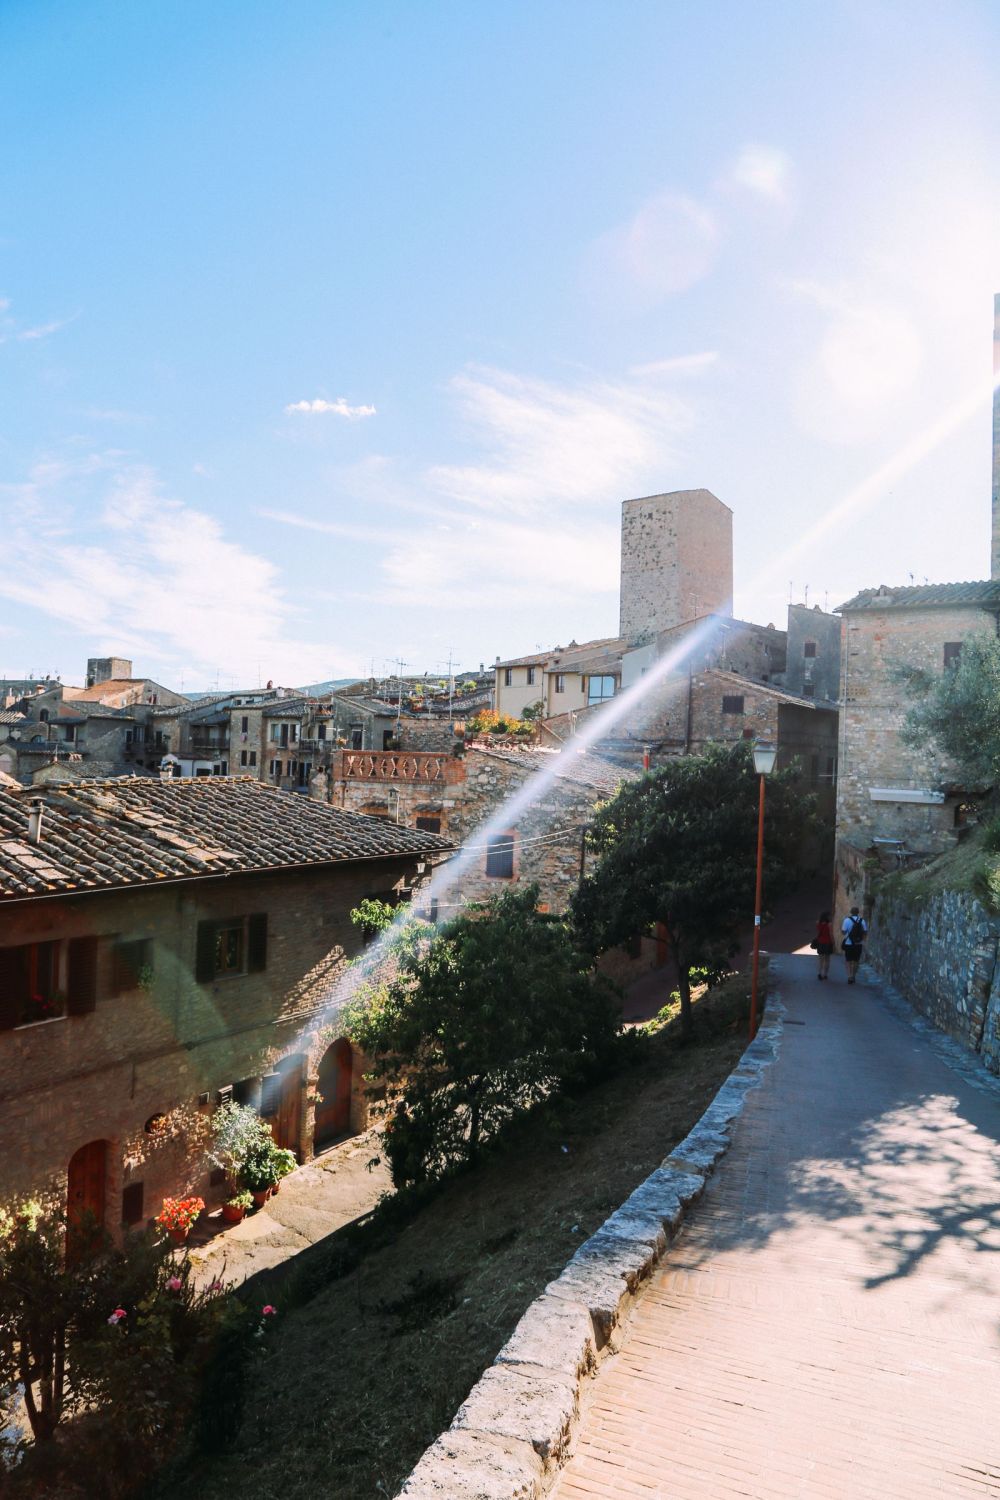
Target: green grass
971,867
383,1329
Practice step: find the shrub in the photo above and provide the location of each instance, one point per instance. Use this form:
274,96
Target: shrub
237,1133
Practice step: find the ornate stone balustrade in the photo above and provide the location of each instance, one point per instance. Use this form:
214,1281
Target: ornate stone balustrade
394,765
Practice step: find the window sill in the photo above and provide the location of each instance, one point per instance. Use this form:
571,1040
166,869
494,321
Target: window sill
46,1021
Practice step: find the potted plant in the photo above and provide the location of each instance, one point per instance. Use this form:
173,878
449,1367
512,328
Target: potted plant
284,1162
258,1173
235,1207
237,1133
177,1216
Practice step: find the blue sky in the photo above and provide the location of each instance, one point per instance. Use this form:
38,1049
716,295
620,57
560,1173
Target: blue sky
333,332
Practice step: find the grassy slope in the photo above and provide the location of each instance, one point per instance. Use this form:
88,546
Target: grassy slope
364,1375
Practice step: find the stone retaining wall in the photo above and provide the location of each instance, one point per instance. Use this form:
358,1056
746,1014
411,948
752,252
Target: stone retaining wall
513,1431
941,953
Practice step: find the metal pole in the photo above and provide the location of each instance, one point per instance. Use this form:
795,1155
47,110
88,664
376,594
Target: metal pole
756,913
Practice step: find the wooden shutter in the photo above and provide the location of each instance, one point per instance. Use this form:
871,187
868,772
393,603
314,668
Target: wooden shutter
204,967
82,996
11,987
257,943
132,1203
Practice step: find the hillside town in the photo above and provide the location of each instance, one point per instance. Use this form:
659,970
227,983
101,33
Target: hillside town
563,1062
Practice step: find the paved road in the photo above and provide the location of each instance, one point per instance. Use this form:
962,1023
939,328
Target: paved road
828,1322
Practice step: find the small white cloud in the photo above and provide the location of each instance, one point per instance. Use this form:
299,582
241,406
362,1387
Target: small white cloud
44,330
338,408
679,364
763,170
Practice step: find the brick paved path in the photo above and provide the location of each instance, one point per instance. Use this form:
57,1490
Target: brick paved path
828,1322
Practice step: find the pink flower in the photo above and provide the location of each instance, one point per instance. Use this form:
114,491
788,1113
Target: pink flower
215,1286
174,1284
269,1311
117,1315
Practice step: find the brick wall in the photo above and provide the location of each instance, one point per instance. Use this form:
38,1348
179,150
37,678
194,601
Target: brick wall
102,1076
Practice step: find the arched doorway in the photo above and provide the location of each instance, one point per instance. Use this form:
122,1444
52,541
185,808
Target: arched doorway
333,1103
86,1195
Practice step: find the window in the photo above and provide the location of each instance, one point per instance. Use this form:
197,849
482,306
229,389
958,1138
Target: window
600,689
508,676
275,734
253,757
321,731
952,654
43,716
132,1203
732,703
69,734
428,823
31,981
531,676
560,682
387,739
809,649
500,857
243,757
130,957
225,949
808,690
357,736
275,768
293,767
244,724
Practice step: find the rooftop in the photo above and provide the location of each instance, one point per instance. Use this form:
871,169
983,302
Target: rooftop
109,834
568,765
985,592
566,656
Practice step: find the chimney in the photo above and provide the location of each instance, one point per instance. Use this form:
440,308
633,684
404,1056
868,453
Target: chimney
995,538
35,820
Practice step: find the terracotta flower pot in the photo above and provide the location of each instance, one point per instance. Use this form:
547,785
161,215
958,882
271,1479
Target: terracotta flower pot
261,1198
233,1212
179,1236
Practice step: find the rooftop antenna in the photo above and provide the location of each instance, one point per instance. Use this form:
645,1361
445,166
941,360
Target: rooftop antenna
807,606
791,590
399,663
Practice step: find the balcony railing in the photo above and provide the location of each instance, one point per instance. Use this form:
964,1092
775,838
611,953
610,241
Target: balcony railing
393,765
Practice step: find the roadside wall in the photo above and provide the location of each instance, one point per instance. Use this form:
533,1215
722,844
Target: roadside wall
942,954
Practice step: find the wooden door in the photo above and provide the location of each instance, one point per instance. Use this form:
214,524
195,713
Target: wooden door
85,1197
333,1106
287,1123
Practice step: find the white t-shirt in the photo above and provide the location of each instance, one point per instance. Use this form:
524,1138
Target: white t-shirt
856,926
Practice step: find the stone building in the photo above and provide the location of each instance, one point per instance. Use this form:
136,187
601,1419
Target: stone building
895,804
562,680
456,795
677,561
165,945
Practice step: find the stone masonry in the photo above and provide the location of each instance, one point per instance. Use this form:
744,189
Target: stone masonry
677,561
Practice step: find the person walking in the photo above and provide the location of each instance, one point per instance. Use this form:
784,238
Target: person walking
824,944
855,930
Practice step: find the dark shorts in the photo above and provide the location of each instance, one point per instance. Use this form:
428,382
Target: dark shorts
852,953
824,949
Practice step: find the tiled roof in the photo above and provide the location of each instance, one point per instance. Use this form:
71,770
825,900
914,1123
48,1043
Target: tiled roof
295,708
569,765
750,684
106,834
926,595
11,716
563,658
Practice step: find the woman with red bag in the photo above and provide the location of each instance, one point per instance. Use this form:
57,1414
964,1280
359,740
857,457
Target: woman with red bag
823,943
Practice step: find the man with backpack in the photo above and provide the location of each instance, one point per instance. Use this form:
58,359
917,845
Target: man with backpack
855,930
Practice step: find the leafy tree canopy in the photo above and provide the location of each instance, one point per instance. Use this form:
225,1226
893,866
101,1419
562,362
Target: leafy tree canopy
679,847
484,1017
958,712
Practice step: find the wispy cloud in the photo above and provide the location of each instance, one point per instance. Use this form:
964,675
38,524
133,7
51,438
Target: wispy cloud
148,573
678,364
45,330
338,408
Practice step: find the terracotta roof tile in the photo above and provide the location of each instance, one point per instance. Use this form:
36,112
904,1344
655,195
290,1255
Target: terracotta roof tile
99,835
985,592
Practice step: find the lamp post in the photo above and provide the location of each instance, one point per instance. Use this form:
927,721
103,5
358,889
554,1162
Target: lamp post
764,757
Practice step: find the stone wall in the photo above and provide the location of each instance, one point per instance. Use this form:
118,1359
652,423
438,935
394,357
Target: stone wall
677,561
941,952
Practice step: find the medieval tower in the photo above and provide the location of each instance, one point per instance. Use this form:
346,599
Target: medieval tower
677,561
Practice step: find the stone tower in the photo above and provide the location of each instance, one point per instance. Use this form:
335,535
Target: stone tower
995,548
677,561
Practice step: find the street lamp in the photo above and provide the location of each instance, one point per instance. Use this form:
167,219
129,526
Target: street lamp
764,757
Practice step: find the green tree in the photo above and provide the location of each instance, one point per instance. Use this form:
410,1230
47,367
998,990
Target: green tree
484,1017
679,846
958,712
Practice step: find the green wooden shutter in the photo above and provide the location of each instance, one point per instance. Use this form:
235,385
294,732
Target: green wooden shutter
204,970
82,996
257,943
